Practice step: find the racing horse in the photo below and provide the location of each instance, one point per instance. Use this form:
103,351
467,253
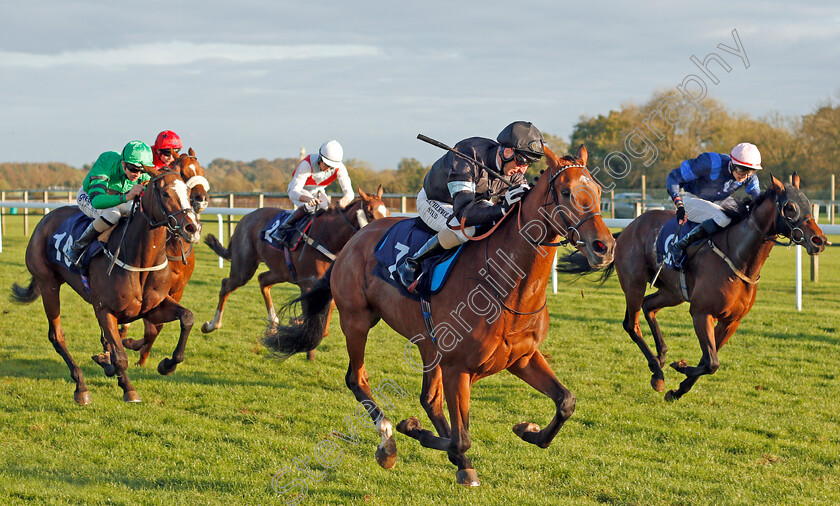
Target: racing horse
331,230
180,255
491,314
138,286
721,274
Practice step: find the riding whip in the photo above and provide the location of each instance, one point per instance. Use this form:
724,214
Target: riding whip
465,157
125,228
676,238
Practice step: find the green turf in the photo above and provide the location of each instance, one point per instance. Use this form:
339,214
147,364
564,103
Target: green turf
763,429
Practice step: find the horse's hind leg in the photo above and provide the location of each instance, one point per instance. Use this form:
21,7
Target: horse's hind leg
431,398
650,306
634,296
241,271
537,373
356,325
52,307
456,387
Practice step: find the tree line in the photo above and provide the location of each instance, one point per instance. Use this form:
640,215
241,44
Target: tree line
647,139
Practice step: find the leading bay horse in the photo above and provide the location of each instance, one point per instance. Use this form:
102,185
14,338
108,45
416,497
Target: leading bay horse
179,253
491,315
138,286
721,274
330,229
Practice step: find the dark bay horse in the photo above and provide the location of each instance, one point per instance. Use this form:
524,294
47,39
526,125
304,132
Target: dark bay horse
491,315
138,286
331,229
179,253
721,286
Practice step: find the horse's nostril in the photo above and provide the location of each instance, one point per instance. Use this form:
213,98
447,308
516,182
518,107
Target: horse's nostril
817,241
190,228
599,247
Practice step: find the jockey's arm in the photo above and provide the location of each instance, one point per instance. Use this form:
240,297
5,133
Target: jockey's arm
476,212
346,188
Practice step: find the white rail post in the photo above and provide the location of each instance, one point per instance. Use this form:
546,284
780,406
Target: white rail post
554,271
221,238
798,278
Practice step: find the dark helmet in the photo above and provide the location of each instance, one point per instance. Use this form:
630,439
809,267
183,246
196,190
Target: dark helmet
524,138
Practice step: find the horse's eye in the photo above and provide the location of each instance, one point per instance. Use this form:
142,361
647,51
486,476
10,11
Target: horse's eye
790,210
566,192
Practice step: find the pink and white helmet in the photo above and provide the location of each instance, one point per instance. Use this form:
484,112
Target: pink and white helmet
746,155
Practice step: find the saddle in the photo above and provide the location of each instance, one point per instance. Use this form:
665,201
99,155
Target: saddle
401,241
279,237
672,232
65,236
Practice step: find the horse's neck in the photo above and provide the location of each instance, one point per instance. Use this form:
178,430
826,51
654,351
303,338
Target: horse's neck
748,243
335,231
518,265
144,246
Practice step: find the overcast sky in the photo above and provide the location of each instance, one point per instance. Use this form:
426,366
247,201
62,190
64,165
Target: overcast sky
259,79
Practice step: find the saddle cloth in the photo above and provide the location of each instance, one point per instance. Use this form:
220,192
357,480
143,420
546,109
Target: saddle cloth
402,241
293,238
62,240
666,237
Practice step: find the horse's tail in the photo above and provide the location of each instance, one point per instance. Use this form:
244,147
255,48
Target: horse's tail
217,246
307,334
25,295
576,263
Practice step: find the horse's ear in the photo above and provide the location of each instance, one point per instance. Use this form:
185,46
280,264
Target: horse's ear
553,159
777,185
191,152
795,179
363,194
379,192
582,154
152,171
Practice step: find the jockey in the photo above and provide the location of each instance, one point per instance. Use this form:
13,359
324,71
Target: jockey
166,148
311,177
709,182
108,190
457,187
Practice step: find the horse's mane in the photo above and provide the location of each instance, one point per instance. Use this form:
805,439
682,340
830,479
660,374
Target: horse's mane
743,208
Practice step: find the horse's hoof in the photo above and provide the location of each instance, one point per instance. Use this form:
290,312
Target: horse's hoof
658,384
132,344
467,478
104,361
527,431
131,396
679,365
671,396
386,454
167,367
206,328
82,398
409,425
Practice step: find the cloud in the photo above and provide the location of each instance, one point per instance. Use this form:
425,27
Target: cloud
184,53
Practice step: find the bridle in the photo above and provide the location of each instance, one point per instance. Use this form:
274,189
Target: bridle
571,230
361,217
795,234
170,220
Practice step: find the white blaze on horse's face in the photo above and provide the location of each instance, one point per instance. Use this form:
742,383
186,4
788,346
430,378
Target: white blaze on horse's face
381,209
182,191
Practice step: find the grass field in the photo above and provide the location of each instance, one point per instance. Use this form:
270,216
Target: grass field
765,429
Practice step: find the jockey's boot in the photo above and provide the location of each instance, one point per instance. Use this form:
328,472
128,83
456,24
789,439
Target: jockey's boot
74,254
281,232
408,269
702,231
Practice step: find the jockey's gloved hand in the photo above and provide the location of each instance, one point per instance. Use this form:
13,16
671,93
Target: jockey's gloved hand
515,193
680,211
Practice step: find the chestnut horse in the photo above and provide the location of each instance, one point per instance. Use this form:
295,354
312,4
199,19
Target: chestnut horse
180,255
721,283
138,286
331,230
503,280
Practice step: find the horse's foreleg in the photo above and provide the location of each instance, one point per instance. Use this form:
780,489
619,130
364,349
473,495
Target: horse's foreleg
52,308
650,306
168,311
104,358
108,324
537,373
268,279
709,363
457,387
634,330
431,398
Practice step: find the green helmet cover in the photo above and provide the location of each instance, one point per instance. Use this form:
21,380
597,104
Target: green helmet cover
138,153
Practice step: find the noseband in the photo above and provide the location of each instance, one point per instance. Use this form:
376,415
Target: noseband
795,234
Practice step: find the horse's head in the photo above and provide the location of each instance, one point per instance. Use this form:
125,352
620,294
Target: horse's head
570,201
193,174
166,202
367,208
793,216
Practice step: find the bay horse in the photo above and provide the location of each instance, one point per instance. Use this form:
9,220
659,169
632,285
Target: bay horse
496,294
330,229
721,274
138,286
180,255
